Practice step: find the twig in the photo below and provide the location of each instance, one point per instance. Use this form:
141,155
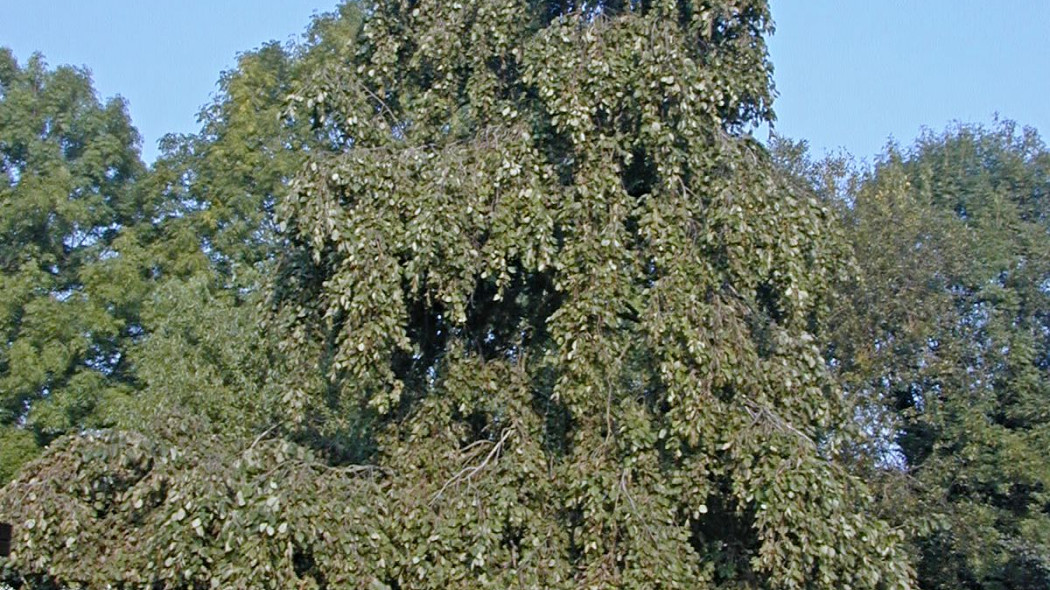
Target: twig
634,508
756,409
382,103
260,437
468,472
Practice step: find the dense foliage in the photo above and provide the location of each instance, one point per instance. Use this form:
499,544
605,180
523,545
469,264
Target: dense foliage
570,297
68,165
949,330
503,294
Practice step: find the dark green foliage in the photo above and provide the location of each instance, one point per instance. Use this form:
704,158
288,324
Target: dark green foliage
578,308
948,328
502,294
190,510
535,275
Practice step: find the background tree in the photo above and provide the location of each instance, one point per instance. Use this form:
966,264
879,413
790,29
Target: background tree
213,250
207,250
205,379
948,328
69,163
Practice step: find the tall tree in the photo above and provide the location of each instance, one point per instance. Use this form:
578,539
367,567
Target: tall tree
207,250
541,281
214,242
948,329
69,163
578,306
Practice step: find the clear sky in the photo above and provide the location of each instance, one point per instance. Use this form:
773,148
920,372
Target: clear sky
850,73
163,56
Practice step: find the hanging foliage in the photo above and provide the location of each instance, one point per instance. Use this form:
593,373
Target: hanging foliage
577,304
552,320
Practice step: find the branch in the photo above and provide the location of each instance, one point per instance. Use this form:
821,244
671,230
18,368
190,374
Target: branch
757,410
469,472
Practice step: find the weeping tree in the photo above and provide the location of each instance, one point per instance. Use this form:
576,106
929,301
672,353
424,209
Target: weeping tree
573,307
552,319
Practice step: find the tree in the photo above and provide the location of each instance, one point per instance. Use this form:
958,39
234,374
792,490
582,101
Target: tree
551,319
205,377
577,306
206,251
69,163
211,254
947,332
219,185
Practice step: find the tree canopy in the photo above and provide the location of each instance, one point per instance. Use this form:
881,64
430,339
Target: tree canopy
947,329
552,273
69,163
504,294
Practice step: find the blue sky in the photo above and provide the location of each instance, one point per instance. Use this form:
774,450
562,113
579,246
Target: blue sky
850,73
